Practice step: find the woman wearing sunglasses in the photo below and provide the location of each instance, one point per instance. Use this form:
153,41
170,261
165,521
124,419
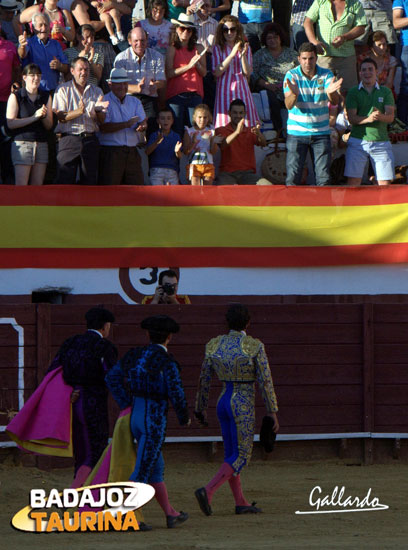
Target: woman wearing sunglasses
185,69
232,67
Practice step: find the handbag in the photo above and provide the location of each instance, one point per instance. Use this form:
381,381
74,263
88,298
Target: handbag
267,436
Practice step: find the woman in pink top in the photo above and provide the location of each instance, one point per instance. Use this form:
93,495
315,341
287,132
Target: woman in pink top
185,68
232,67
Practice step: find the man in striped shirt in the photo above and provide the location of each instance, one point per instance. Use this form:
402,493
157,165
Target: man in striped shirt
308,88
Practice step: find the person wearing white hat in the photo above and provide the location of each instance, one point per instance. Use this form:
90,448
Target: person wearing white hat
185,69
125,122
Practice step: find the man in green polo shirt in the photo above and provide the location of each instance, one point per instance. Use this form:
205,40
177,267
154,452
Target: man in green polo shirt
370,108
338,23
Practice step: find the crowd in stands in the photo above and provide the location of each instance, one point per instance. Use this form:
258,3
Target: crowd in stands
88,88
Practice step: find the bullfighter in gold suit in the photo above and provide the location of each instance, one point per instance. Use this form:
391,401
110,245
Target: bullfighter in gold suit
238,360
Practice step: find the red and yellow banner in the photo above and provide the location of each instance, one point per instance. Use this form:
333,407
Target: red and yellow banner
85,227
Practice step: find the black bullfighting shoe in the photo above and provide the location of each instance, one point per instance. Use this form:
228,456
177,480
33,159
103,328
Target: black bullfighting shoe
144,527
173,521
248,509
201,496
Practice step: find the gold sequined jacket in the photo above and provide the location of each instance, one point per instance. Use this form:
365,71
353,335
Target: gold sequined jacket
236,357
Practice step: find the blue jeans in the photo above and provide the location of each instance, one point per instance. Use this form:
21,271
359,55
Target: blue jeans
299,35
183,106
320,151
253,32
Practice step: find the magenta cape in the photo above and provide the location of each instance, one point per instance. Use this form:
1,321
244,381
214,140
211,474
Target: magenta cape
44,424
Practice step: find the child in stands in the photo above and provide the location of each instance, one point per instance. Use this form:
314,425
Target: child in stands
200,144
164,149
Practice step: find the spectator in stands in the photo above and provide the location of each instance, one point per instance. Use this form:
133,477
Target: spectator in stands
166,291
79,107
400,22
232,67
86,47
299,10
29,116
308,89
379,51
271,64
238,165
370,108
338,24
85,13
157,26
7,10
219,9
164,149
61,22
200,145
379,18
111,17
206,28
185,69
145,69
119,159
177,7
10,77
254,15
44,52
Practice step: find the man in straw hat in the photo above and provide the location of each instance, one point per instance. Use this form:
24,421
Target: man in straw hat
125,122
146,378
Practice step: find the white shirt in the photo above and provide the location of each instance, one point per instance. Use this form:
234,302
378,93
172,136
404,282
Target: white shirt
121,112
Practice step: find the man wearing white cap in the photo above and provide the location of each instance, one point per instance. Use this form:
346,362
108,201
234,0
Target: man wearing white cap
119,160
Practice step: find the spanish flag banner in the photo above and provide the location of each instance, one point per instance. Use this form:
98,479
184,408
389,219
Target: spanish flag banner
105,227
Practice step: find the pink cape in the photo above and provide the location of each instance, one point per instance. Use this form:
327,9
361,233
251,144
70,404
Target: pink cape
44,424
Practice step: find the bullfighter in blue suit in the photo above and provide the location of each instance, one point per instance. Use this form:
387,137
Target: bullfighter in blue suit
238,361
146,378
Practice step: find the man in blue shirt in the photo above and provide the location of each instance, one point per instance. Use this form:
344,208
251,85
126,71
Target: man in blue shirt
308,88
44,52
121,132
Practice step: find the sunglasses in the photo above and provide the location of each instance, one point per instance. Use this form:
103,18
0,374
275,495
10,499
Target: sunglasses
229,29
183,29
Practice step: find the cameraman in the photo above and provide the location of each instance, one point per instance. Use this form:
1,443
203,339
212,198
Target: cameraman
166,291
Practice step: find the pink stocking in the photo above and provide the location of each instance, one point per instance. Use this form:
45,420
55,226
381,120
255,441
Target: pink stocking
223,474
235,484
163,498
80,477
